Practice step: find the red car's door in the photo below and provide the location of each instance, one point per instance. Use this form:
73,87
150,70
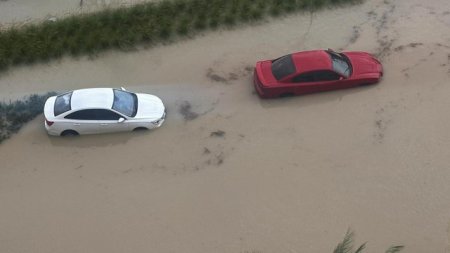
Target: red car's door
304,83
328,80
317,81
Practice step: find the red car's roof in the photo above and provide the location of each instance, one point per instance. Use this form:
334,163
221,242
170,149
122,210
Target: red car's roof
311,60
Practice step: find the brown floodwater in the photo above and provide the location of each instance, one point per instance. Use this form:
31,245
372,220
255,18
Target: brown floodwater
229,172
14,12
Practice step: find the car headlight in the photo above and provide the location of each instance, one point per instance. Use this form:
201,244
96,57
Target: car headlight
157,122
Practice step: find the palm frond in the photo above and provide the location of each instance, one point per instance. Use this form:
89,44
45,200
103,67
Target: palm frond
395,249
361,248
346,246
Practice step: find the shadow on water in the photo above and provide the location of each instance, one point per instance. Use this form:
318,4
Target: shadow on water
99,140
315,99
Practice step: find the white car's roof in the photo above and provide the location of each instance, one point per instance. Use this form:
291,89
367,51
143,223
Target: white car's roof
92,98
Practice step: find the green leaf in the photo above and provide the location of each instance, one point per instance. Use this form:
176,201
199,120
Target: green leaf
361,248
395,249
346,246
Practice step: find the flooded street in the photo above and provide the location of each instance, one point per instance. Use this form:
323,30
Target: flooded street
22,11
229,172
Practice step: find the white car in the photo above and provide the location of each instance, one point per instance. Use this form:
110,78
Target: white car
102,110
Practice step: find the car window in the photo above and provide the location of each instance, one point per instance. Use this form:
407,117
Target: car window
94,114
325,75
341,64
282,67
83,115
125,102
316,76
107,115
304,78
62,103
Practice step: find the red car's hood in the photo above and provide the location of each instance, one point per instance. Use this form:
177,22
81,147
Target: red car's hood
364,63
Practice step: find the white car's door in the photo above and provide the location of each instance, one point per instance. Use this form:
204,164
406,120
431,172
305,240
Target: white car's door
111,121
92,121
83,121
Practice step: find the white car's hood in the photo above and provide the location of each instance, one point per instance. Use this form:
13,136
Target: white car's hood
149,107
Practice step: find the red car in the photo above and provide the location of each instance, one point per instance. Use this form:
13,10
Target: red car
315,71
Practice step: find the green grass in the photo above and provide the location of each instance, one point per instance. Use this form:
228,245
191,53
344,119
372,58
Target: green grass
15,114
147,23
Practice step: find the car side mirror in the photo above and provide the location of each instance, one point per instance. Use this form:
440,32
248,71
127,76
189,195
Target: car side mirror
122,88
121,120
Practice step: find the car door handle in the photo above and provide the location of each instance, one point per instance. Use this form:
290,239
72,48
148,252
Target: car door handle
76,124
103,124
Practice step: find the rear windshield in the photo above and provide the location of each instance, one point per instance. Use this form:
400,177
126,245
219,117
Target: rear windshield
62,103
283,67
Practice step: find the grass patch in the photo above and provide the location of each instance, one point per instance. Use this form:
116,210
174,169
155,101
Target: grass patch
14,115
147,23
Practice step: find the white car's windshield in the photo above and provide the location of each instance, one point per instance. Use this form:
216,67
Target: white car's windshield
125,103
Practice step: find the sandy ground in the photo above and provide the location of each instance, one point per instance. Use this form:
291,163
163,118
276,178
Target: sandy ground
286,175
22,11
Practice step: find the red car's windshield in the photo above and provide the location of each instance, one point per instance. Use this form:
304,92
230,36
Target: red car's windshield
341,64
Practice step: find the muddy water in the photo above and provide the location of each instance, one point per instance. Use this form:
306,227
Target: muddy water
284,175
22,11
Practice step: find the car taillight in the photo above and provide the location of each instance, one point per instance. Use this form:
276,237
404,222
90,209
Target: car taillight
49,123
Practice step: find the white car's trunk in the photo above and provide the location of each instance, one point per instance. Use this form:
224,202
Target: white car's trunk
49,110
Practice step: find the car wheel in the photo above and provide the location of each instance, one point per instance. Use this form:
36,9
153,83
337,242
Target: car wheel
286,95
138,129
69,133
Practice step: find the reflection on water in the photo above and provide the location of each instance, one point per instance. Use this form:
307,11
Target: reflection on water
305,101
107,3
20,11
98,140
